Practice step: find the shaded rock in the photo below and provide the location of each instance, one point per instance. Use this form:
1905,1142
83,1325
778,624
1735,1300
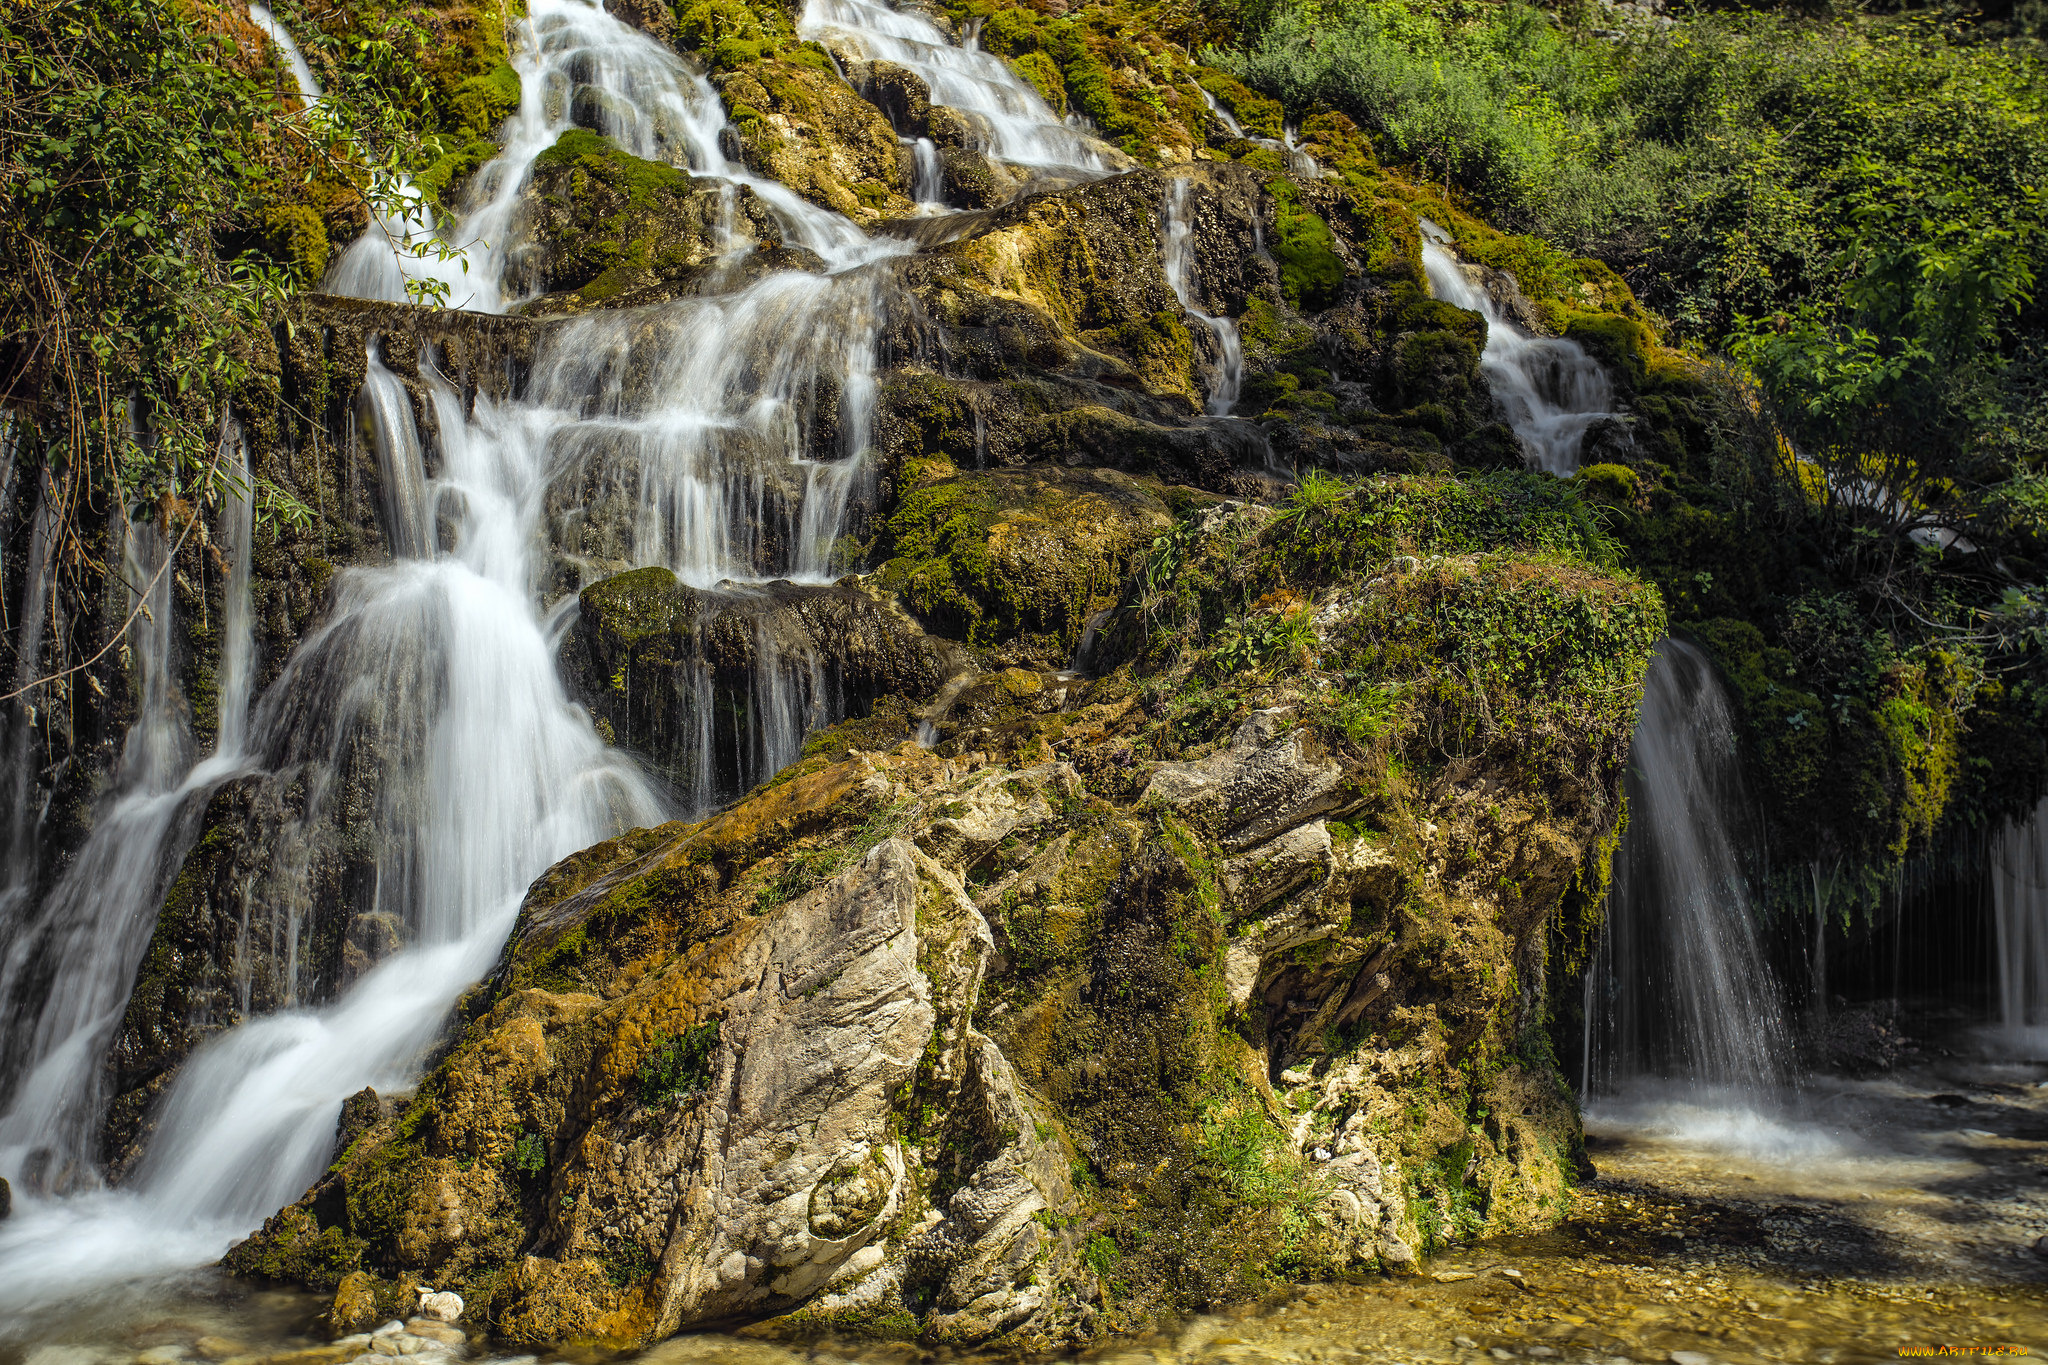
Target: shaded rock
656,660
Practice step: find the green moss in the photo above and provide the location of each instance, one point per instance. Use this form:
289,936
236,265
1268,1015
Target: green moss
1311,272
1615,485
1044,77
295,1249
1622,344
596,155
637,605
678,1067
481,103
1255,113
298,237
440,179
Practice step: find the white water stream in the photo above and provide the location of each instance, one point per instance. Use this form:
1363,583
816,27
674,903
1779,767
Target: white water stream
2019,891
1552,390
1177,251
1019,127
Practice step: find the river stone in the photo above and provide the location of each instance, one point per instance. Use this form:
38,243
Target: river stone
441,1306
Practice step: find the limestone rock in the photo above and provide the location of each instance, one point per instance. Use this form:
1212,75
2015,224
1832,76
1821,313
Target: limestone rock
1016,561
1266,781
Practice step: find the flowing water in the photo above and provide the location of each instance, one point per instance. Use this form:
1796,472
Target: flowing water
1016,124
1177,250
1683,1023
1553,392
2019,890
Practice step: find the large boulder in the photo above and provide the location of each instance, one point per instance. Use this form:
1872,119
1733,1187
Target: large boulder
1172,980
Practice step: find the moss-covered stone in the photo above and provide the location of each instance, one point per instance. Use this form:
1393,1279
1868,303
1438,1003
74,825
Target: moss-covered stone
1015,562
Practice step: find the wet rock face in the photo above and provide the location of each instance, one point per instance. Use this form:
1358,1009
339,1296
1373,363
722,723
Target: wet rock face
689,677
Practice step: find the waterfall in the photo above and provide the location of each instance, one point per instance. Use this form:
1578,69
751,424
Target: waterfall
1552,390
1679,989
417,761
237,539
578,67
1177,250
295,60
69,960
1018,125
1298,161
2019,903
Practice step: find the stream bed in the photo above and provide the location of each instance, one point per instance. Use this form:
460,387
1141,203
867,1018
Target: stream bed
1864,1220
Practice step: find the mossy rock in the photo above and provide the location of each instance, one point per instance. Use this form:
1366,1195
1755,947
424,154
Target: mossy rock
1015,561
611,228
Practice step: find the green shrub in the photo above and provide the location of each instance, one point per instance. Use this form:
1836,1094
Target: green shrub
679,1066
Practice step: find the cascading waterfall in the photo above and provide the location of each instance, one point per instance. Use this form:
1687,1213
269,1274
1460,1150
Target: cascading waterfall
70,959
1552,390
578,68
1178,253
724,436
1020,128
1679,990
2019,903
295,60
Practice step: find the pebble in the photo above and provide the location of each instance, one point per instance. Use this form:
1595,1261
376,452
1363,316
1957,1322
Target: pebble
2041,1246
218,1348
1691,1358
442,1306
1452,1276
1501,1353
1465,1342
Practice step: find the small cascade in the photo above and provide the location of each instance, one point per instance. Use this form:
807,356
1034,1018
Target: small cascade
1020,128
384,420
23,819
2019,903
1177,249
70,960
1552,390
295,60
1298,160
928,186
1679,990
236,538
